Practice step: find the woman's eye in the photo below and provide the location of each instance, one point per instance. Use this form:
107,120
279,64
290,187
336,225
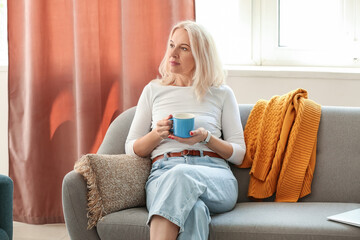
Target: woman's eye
172,45
184,48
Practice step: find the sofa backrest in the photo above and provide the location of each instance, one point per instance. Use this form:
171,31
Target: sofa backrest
337,170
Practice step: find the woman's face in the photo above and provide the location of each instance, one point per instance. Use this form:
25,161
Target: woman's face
180,58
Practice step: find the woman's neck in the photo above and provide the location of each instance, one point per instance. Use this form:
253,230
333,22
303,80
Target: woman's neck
183,81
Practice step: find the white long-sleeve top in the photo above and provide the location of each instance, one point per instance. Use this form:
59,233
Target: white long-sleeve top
218,112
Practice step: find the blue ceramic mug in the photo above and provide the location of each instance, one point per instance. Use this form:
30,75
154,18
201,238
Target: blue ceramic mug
183,123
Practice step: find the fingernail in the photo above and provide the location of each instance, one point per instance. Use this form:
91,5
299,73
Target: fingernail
191,133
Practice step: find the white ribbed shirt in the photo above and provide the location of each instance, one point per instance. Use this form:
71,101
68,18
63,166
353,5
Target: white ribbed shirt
218,112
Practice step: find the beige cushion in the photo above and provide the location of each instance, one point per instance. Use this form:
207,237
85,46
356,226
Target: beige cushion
115,182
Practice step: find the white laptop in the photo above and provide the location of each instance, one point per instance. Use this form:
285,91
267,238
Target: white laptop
351,217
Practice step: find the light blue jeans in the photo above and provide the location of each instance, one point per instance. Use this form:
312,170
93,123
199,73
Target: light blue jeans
186,190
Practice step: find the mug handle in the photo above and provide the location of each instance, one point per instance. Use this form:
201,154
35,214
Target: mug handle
172,129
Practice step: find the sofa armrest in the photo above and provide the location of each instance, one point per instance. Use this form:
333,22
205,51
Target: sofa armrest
74,199
6,205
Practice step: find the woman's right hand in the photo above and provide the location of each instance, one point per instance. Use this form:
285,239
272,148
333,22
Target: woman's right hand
163,127
145,145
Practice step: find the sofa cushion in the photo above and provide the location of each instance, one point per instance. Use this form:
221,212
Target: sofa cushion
251,220
337,167
127,224
337,159
115,182
269,220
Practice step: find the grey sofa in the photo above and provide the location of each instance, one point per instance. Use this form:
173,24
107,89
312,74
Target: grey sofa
335,189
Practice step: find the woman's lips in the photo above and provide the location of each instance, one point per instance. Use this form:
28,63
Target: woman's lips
173,63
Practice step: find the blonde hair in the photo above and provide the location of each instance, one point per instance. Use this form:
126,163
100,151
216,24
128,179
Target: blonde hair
208,67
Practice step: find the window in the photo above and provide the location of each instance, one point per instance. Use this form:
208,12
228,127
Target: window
284,32
3,34
229,22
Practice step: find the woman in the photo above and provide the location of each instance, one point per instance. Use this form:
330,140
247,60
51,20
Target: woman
184,185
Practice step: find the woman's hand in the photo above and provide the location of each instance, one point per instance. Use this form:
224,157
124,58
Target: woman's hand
163,127
197,135
145,145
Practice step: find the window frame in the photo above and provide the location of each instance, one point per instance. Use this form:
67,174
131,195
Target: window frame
273,54
263,20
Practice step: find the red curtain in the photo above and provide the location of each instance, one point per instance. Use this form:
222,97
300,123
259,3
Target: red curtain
74,65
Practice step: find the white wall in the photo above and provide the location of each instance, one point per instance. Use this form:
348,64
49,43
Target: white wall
4,156
337,88
328,87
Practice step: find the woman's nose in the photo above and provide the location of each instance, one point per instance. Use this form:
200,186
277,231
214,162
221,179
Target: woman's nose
174,52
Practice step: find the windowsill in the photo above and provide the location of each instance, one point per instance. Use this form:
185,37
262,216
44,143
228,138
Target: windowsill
284,72
293,72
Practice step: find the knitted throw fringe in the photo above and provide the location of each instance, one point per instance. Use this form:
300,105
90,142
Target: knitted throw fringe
95,206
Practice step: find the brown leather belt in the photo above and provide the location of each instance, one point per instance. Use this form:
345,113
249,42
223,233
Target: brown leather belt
187,153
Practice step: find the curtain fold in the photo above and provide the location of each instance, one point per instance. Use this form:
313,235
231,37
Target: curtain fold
74,65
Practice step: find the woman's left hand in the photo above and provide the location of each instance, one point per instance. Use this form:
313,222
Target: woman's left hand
197,135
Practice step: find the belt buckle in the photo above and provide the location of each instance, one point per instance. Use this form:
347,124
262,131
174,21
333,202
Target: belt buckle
185,153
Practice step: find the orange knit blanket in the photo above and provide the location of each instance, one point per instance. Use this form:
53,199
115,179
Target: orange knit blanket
281,136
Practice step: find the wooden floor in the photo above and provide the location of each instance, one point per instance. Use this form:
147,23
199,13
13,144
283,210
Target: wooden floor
24,231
